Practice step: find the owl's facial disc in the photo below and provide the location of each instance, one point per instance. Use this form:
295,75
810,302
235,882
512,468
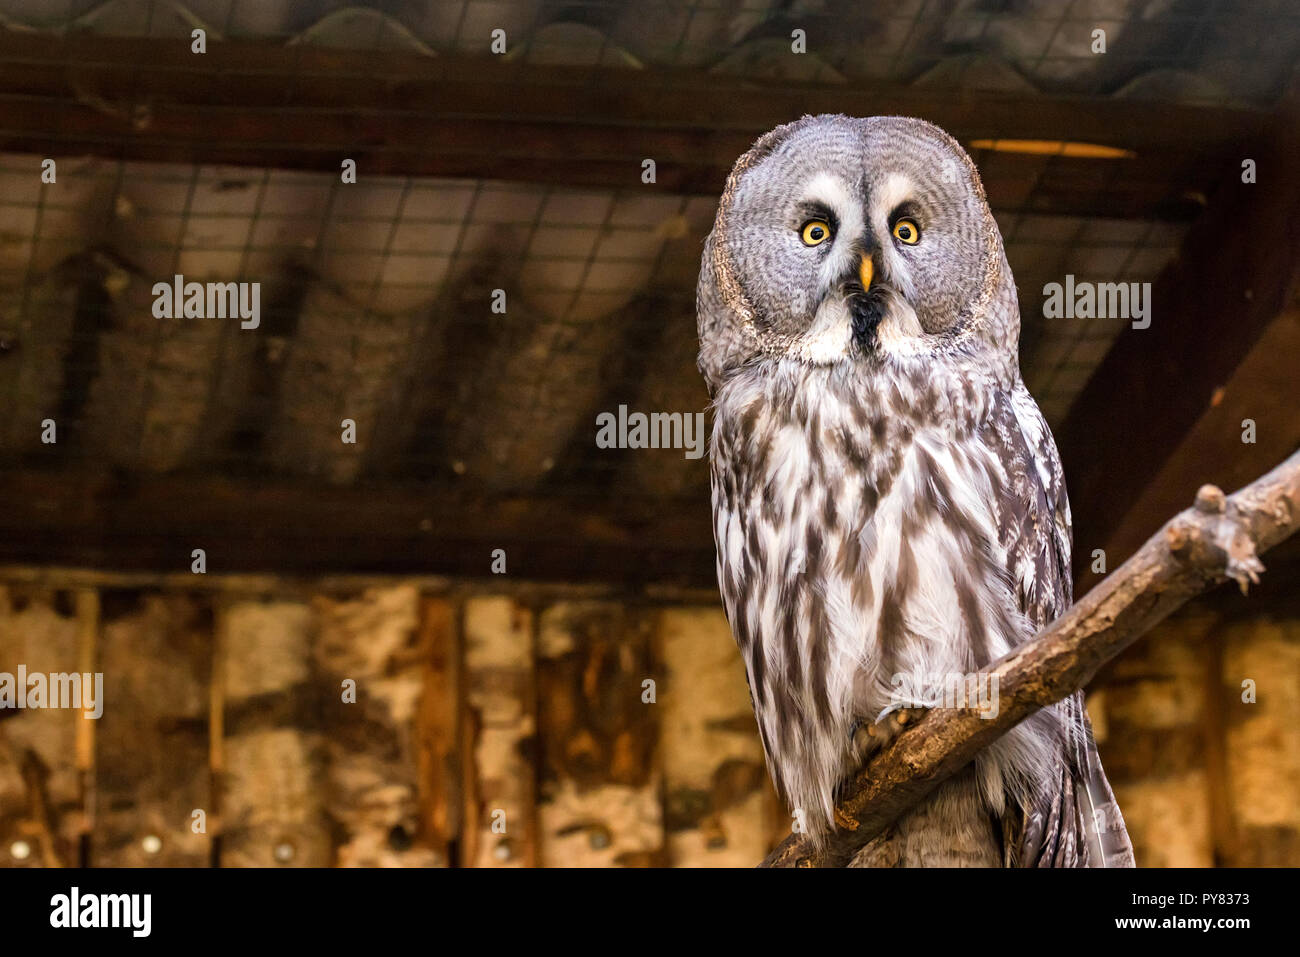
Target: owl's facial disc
786,274
855,233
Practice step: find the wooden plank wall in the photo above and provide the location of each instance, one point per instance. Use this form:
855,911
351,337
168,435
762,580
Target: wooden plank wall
251,725
399,724
1198,726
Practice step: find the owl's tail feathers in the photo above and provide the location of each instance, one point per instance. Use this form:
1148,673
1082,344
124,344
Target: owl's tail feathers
1109,845
1077,823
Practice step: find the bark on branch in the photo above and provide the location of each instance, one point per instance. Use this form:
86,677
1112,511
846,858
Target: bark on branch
1218,538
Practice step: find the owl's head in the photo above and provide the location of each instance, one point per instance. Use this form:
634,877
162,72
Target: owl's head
840,239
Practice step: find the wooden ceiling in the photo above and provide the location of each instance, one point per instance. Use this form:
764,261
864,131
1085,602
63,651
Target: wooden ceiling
1149,424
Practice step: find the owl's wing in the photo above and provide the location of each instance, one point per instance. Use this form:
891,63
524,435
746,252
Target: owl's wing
1078,823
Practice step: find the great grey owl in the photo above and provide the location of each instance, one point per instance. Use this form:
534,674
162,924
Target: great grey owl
889,508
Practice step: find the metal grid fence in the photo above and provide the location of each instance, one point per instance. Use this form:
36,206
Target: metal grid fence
375,295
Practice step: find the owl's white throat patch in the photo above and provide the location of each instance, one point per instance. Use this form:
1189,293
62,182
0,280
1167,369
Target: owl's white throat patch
900,329
830,335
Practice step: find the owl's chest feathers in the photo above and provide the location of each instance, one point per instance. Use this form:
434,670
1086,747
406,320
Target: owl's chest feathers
855,537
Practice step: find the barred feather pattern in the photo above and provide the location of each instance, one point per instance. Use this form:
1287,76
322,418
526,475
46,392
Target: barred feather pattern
872,521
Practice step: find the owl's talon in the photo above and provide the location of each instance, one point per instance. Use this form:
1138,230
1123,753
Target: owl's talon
867,739
891,709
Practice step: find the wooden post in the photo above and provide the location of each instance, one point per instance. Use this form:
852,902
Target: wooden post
438,730
500,731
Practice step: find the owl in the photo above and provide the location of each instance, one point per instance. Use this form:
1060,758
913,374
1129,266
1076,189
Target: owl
888,504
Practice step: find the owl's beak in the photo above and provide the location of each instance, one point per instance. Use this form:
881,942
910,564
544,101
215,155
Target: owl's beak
865,272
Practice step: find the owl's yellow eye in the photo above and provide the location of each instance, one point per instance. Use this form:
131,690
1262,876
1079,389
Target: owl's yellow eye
906,231
815,232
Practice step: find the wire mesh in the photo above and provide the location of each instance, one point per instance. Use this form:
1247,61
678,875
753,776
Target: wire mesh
376,296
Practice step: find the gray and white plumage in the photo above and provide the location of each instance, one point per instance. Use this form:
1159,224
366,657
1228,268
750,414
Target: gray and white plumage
887,497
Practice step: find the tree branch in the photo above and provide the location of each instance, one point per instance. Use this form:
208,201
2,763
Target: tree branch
1218,538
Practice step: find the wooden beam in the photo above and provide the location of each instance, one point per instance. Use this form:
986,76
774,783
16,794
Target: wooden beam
286,527
1164,409
299,107
1262,392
